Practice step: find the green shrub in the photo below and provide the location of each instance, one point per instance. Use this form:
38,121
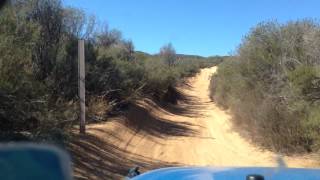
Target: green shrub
272,85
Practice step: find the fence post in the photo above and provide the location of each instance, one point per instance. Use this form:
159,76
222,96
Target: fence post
82,90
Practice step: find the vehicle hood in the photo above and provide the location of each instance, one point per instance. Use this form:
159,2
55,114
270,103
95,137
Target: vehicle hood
232,173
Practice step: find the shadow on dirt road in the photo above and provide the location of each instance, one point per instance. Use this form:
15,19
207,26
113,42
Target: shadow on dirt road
96,159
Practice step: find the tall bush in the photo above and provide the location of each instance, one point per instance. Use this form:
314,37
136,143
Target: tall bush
272,85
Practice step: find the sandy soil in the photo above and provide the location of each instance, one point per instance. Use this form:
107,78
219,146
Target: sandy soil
194,132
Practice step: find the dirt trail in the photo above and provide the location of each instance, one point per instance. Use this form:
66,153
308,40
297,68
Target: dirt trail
195,132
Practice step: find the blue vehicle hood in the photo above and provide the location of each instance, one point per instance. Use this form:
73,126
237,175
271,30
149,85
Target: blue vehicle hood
203,173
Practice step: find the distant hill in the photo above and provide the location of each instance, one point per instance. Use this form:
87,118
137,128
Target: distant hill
141,53
189,56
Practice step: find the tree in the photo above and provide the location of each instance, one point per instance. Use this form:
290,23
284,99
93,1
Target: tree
49,15
168,54
77,24
107,38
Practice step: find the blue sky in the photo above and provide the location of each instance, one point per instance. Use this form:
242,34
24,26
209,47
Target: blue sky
200,27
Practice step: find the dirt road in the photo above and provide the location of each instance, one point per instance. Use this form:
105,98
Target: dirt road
195,132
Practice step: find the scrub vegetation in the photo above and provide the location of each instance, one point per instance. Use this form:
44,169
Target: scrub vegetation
272,85
38,70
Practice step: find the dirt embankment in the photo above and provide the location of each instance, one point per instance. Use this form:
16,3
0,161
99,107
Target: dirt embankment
194,132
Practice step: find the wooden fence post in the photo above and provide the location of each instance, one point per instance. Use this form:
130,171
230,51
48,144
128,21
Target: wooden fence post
82,90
